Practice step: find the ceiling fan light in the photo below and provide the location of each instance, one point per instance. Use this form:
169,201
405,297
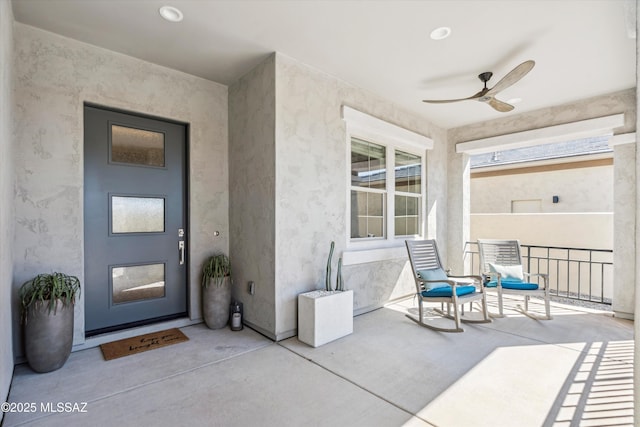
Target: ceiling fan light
440,33
171,14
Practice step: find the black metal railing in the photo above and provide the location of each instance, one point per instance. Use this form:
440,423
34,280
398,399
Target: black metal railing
574,273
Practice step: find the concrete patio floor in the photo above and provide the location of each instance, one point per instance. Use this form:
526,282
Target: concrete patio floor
576,369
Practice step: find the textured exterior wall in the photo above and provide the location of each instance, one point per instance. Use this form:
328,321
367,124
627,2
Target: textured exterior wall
580,190
458,207
312,184
288,191
54,77
7,305
625,259
636,250
252,171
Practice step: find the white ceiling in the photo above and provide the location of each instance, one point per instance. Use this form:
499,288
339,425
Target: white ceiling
581,48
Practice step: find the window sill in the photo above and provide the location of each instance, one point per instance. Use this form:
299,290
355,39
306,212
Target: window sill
353,257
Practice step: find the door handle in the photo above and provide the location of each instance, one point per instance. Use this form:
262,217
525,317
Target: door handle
181,252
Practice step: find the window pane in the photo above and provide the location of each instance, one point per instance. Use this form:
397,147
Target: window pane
407,215
137,282
367,214
401,205
401,226
368,164
412,226
375,205
408,169
137,146
137,214
412,206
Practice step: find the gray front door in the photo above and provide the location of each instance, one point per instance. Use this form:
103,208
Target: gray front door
134,220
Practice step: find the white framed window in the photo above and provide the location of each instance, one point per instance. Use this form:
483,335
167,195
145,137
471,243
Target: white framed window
386,197
386,192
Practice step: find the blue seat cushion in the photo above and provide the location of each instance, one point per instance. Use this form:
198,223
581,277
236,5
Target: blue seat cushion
513,284
445,291
434,274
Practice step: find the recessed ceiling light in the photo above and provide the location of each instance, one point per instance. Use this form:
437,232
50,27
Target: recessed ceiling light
171,14
440,33
514,100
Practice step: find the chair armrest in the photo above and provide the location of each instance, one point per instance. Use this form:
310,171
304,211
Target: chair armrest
544,276
491,274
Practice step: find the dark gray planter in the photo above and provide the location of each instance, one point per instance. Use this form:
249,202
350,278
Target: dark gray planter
216,300
48,337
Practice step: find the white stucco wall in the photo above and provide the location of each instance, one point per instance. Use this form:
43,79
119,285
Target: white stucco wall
629,213
252,201
288,191
54,76
625,224
6,198
312,185
458,205
580,190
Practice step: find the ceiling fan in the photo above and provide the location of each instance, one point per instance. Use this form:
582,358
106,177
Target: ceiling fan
487,95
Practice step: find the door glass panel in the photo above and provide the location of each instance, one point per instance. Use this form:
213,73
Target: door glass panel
137,146
137,214
137,282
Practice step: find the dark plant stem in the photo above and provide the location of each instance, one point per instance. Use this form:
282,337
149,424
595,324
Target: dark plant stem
328,277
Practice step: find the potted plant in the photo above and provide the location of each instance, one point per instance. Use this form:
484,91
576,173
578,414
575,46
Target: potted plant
216,291
325,315
47,303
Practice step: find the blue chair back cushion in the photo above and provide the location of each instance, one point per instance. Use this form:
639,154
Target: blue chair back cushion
513,284
446,291
434,274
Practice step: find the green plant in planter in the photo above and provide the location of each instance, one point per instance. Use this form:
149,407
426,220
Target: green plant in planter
48,288
47,303
216,299
217,268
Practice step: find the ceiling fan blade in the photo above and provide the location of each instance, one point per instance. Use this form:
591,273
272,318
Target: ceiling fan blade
445,101
501,106
514,75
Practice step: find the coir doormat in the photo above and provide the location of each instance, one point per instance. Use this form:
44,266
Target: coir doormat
141,343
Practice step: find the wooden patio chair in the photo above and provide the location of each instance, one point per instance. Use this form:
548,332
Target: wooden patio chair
433,284
501,266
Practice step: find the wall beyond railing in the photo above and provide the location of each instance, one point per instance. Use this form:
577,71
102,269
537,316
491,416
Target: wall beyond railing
574,230
574,273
